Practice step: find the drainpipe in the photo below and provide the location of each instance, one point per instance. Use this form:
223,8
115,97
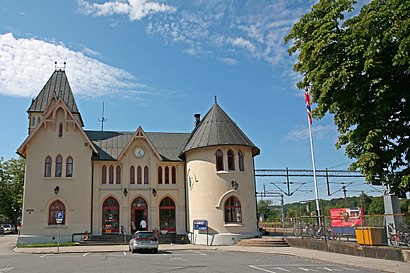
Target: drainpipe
185,199
256,199
92,195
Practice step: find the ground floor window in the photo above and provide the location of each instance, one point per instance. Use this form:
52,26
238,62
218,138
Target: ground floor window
233,213
111,219
55,207
167,214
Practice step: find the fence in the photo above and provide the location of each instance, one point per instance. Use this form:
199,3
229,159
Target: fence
306,227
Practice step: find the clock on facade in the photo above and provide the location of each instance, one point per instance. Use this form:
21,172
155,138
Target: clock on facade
139,152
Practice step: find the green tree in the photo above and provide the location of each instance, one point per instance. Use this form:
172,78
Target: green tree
270,211
11,188
358,69
376,206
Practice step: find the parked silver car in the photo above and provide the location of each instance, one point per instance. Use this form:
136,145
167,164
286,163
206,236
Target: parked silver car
8,228
143,240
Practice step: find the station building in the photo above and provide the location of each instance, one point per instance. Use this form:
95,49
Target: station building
106,182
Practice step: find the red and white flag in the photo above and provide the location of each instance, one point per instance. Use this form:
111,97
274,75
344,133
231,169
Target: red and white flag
307,100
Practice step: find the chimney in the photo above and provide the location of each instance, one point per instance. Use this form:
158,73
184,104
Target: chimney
197,119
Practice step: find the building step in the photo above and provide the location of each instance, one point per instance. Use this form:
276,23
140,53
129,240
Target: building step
265,242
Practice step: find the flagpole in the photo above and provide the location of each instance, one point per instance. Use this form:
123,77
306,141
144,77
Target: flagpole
314,176
307,98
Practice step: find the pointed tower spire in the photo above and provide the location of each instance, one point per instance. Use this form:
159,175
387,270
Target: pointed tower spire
58,86
215,129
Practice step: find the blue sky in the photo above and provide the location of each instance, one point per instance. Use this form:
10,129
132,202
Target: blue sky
156,63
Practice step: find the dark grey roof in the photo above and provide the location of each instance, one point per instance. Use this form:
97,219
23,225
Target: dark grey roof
216,129
110,144
57,84
169,145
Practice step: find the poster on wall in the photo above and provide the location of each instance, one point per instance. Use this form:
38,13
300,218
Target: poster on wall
347,217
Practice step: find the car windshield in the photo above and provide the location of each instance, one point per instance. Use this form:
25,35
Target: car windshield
146,235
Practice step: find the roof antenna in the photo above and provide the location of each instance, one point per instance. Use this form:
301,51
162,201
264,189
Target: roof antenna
64,65
216,101
55,65
103,119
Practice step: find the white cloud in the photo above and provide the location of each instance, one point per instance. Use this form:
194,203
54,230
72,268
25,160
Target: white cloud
229,61
26,65
242,43
320,132
216,28
134,9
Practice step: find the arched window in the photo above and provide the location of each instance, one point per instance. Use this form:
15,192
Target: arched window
240,157
110,216
166,175
54,208
159,175
231,160
219,160
111,175
59,166
174,175
69,167
47,167
146,175
132,175
118,175
60,130
233,212
104,175
139,175
167,214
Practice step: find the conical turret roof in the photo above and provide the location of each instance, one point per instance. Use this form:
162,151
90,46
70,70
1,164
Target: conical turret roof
58,86
216,129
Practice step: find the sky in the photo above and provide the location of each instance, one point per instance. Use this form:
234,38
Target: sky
156,63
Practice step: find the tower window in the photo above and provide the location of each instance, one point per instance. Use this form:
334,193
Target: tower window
231,160
219,160
233,212
240,158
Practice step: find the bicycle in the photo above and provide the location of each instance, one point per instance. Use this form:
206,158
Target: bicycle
397,237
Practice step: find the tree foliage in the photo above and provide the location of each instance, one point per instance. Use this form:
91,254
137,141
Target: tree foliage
11,188
358,67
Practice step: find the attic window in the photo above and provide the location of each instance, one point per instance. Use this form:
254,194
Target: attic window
60,130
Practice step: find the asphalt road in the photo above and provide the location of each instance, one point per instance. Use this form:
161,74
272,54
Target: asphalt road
205,261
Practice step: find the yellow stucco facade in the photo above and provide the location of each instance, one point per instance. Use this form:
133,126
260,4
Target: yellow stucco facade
106,182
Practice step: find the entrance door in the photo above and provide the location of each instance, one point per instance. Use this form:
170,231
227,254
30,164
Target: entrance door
111,216
139,211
